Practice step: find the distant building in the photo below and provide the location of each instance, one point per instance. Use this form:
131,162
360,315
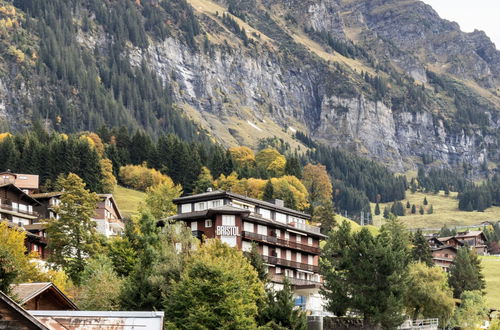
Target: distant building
287,243
474,239
41,296
444,256
29,183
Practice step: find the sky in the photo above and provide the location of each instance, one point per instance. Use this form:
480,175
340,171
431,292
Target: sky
472,14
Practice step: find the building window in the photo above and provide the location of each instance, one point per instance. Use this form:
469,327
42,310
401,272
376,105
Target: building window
298,257
265,213
265,250
201,206
310,259
300,301
287,236
185,208
278,233
194,225
288,255
246,246
280,217
298,238
208,223
262,230
310,241
278,270
229,240
216,203
228,220
248,226
278,253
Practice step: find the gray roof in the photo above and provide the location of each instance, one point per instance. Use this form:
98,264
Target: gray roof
221,193
27,291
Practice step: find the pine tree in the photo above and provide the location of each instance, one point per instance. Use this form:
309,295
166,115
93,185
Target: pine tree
425,201
73,236
466,272
430,210
421,250
387,212
268,191
421,210
408,204
413,209
204,182
377,209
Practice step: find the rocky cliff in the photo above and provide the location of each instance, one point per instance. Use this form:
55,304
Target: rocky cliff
388,79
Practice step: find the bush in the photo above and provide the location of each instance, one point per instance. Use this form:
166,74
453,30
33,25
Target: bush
140,177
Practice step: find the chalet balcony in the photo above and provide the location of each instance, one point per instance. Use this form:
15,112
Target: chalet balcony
280,242
290,264
305,227
297,282
9,208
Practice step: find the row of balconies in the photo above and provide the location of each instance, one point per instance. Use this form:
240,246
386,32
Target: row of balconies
280,242
279,278
300,226
9,207
290,264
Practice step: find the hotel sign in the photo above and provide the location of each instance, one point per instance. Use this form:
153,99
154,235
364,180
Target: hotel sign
227,231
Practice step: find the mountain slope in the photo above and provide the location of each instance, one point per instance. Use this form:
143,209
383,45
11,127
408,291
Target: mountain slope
387,79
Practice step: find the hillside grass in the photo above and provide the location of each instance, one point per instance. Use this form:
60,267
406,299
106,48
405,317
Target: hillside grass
491,271
128,200
446,212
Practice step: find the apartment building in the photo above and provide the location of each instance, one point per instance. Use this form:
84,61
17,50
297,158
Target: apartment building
287,243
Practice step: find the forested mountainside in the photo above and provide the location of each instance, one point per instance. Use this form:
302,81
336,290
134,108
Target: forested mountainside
388,79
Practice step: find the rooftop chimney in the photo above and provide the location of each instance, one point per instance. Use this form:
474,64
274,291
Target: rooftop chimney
278,202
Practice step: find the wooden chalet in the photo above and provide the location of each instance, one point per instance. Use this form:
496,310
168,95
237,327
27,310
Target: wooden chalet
41,296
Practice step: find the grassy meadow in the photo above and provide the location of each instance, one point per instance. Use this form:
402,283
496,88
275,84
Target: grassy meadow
491,271
128,200
446,212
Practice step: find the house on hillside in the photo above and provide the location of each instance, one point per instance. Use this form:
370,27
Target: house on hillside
474,239
107,215
287,243
29,183
443,256
41,296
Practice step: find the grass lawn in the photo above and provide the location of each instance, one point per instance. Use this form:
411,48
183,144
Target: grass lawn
491,271
128,200
445,212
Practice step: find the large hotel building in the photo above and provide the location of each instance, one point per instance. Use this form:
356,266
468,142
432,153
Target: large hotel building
288,245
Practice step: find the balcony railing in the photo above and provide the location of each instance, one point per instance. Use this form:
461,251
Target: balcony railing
305,227
8,207
280,242
290,264
294,281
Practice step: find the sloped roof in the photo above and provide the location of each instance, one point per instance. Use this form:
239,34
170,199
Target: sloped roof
473,233
24,195
27,317
27,291
47,195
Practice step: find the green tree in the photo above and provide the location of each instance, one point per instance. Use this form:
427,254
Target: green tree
73,236
325,215
15,265
159,198
281,310
377,209
430,210
218,289
421,250
204,182
425,201
255,259
293,166
428,294
161,255
421,210
122,255
387,212
317,182
100,286
350,283
466,272
268,191
472,311
413,209
408,204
